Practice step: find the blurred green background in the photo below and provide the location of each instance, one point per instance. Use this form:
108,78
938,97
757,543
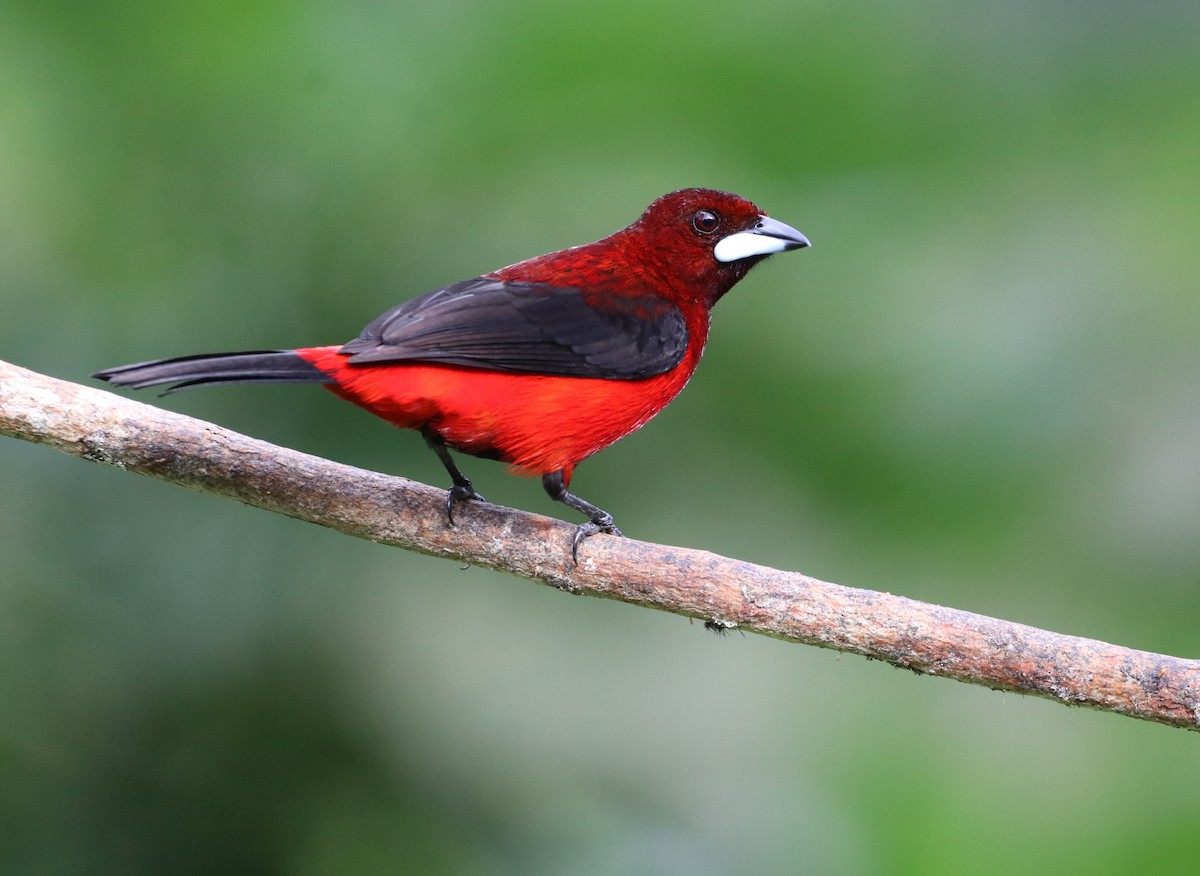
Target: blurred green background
981,388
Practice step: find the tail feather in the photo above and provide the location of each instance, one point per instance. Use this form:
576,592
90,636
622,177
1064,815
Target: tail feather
260,366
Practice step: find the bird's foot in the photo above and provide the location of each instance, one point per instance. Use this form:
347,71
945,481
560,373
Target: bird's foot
463,492
586,530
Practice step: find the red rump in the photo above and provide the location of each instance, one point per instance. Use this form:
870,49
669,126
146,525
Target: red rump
536,423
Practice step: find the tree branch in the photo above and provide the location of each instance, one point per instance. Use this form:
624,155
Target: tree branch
102,427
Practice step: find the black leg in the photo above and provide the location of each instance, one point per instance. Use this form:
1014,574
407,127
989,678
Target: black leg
599,519
462,489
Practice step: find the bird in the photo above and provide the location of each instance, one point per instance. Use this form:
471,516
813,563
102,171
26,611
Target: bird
539,364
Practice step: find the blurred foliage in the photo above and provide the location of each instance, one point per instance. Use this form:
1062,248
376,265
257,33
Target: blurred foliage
981,387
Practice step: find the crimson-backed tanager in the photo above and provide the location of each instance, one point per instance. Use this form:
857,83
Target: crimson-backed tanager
539,364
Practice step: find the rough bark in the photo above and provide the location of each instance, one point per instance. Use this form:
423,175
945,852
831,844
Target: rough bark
727,593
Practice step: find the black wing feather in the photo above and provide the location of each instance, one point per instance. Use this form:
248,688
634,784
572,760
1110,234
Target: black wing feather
528,328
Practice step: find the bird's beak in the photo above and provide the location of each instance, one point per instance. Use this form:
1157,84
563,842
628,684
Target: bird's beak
767,236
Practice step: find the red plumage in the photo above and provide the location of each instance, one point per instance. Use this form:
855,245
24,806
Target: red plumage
537,423
544,362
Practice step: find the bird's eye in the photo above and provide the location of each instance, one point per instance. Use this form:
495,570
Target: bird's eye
705,221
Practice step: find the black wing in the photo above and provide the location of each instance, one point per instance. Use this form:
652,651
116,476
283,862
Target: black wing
528,328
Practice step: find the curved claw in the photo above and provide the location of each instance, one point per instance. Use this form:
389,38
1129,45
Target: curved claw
586,530
460,493
555,484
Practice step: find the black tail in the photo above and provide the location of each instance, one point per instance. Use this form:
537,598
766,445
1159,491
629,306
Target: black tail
263,366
